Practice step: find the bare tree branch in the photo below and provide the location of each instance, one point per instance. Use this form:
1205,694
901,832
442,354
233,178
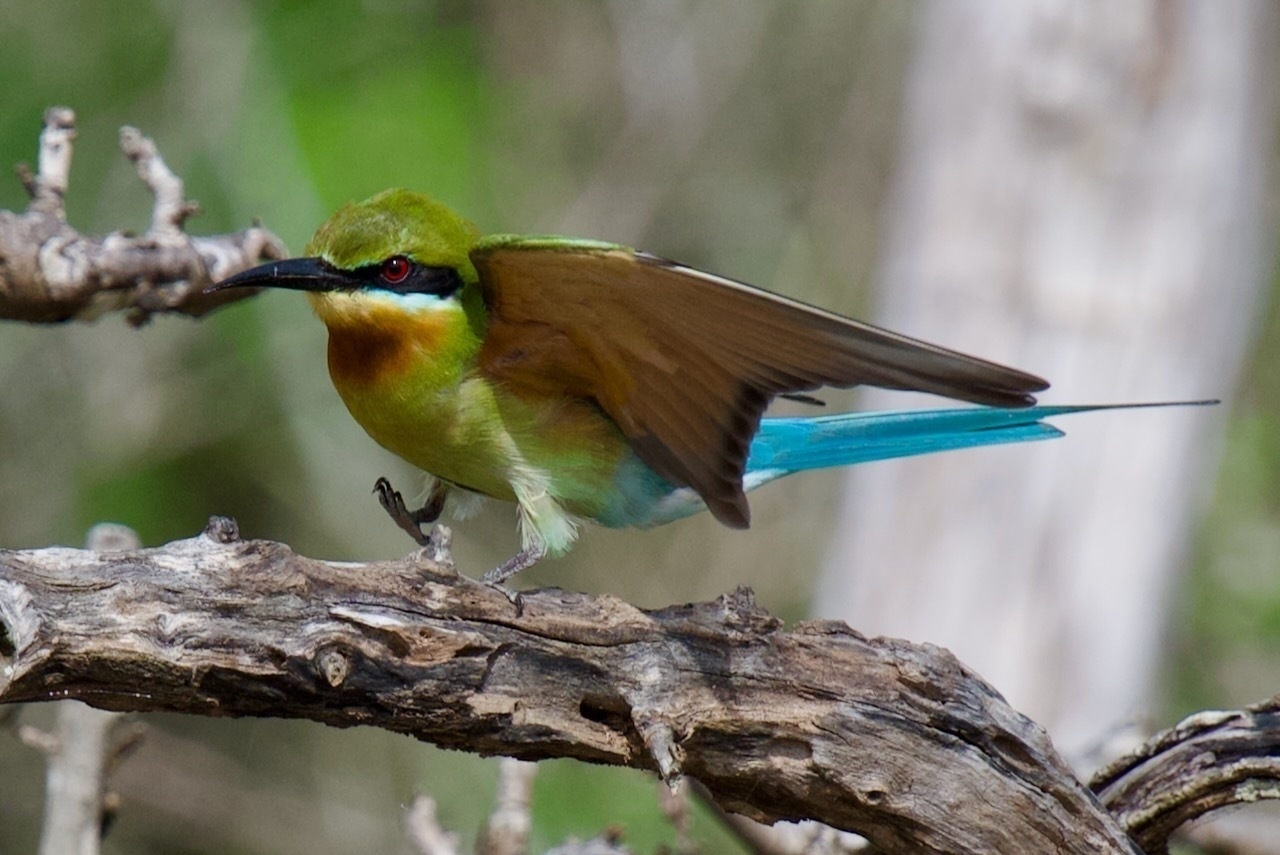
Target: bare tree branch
896,741
50,272
1207,761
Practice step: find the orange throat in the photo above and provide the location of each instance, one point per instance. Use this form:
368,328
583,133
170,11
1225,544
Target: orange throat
372,343
363,357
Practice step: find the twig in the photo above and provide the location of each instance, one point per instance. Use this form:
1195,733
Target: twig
50,272
426,835
40,740
80,753
506,832
171,208
48,187
605,844
896,741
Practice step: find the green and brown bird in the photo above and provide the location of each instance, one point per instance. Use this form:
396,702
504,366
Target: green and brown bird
587,381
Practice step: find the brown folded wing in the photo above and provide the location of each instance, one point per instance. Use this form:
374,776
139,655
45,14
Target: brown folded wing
686,362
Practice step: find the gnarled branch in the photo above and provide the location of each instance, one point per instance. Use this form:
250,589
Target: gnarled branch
897,741
1209,760
50,272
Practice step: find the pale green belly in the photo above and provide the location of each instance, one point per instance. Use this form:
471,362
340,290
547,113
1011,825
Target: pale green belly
476,437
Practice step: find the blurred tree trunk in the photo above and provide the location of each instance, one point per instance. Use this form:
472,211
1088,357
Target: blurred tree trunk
1081,194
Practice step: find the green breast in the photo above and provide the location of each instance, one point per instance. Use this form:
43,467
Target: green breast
454,432
482,438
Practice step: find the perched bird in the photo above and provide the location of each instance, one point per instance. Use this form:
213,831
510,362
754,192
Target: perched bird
586,380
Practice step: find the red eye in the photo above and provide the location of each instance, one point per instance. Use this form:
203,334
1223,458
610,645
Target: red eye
396,269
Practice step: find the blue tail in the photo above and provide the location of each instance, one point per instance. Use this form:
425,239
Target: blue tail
786,445
783,446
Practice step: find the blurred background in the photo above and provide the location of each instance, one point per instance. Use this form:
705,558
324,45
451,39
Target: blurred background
1082,189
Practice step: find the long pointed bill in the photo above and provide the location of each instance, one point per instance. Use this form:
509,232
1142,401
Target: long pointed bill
298,274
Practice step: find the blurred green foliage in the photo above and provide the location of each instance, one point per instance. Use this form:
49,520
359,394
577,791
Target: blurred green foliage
397,100
577,117
1228,646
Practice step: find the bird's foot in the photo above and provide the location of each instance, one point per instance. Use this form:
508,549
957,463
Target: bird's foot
522,560
410,522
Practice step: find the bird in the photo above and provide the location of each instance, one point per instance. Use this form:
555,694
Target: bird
589,381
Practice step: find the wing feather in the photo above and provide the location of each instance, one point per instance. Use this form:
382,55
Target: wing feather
686,362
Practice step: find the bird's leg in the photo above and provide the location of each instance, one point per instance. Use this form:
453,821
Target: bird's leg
522,560
410,522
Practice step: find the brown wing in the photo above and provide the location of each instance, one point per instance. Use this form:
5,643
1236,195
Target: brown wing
686,362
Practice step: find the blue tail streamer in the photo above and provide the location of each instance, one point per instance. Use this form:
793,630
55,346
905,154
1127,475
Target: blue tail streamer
786,445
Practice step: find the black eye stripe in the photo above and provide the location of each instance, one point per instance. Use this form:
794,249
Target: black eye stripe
441,281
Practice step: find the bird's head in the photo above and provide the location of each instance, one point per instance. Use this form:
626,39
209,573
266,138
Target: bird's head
396,253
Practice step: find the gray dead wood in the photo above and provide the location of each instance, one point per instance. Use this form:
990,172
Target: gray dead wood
896,741
50,272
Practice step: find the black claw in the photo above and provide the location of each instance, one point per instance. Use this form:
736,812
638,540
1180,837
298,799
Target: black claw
516,598
408,521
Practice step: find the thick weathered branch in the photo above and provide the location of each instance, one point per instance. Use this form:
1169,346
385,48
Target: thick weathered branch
896,741
50,272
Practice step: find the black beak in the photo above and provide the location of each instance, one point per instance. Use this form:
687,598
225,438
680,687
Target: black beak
299,274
